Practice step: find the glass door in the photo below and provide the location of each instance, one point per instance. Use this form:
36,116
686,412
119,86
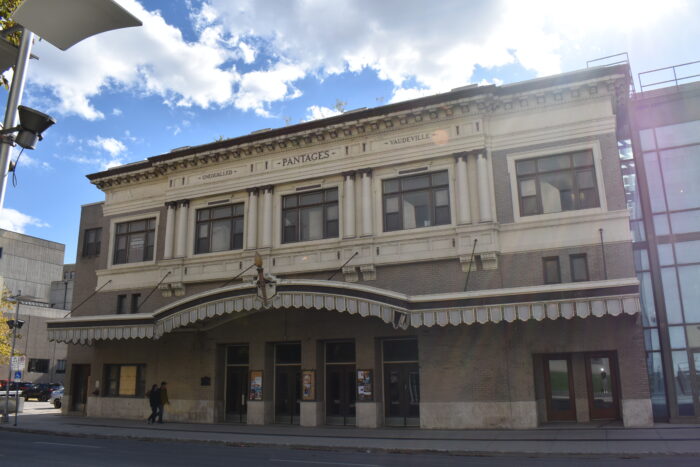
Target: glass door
401,383
559,387
601,375
236,383
287,383
341,384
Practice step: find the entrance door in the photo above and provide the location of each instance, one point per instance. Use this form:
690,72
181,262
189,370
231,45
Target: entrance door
341,385
287,383
402,394
287,394
601,375
236,385
559,388
340,394
80,375
401,382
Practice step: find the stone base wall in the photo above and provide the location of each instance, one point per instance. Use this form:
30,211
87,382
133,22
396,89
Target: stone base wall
479,376
179,410
470,415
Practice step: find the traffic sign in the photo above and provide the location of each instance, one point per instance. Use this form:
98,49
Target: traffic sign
18,363
18,375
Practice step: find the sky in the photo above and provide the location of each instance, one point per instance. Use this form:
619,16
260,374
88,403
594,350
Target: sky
201,70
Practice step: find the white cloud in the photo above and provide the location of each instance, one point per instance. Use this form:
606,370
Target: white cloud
419,46
259,88
316,112
248,52
153,59
426,46
15,221
31,162
116,112
405,94
111,145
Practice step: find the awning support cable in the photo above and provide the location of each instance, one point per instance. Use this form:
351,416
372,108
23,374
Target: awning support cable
344,264
91,295
138,307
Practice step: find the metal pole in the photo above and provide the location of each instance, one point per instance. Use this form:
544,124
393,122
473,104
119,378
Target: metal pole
13,100
10,378
14,337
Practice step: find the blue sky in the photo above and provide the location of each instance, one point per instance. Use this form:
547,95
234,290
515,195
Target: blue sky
201,69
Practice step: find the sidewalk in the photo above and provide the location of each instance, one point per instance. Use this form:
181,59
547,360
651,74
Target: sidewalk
662,439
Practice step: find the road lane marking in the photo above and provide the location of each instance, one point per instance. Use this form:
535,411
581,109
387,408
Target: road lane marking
324,463
68,444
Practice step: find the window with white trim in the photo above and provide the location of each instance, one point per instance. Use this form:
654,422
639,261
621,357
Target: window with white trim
416,201
219,228
563,182
311,215
134,241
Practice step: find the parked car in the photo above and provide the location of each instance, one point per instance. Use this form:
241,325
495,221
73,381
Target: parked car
41,391
57,397
15,385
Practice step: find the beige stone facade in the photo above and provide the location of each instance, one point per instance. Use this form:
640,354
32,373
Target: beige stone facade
439,291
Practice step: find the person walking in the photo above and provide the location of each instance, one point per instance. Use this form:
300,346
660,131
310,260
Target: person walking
154,400
163,393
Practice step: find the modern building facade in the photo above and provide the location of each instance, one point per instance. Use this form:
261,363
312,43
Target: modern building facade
28,265
662,176
61,293
457,261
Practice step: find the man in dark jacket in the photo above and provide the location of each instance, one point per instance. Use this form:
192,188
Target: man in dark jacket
154,401
163,392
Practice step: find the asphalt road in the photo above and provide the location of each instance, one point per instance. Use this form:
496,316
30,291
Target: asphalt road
24,449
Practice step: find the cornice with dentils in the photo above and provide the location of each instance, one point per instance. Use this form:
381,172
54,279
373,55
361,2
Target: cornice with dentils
468,101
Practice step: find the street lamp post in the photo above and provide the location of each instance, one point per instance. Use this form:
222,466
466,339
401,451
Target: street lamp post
13,100
14,325
63,24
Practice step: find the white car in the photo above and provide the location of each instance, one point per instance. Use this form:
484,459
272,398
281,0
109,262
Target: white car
57,397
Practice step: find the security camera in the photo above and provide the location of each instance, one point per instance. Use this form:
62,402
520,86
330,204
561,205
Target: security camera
32,124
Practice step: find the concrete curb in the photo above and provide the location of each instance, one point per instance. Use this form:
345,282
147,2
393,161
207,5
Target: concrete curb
330,447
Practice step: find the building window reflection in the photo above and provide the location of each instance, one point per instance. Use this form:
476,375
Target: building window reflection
310,216
558,183
134,241
416,201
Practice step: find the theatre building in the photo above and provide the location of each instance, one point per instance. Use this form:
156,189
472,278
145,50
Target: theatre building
462,260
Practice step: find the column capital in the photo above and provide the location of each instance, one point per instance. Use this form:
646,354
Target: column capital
267,188
367,171
253,190
183,202
461,155
171,204
349,174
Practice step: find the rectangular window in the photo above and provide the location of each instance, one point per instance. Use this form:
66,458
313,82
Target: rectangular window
121,304
38,365
124,380
416,201
579,267
135,299
92,240
133,241
564,182
60,366
219,228
311,215
550,267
